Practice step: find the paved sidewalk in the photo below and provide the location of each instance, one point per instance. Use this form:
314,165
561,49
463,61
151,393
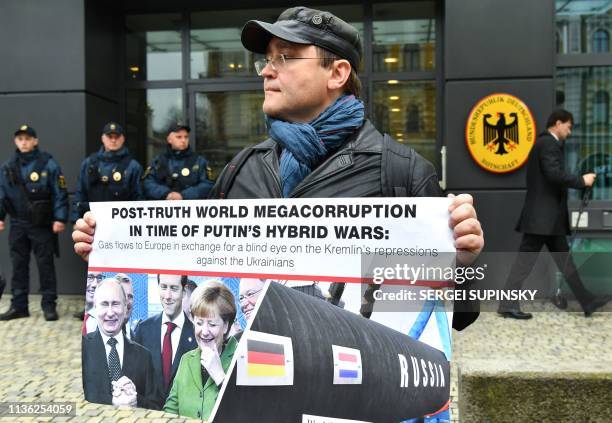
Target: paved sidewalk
551,341
41,361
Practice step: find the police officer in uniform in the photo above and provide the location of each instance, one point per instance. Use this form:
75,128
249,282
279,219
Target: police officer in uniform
111,174
179,173
33,193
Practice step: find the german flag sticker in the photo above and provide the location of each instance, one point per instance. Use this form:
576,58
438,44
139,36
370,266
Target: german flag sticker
265,360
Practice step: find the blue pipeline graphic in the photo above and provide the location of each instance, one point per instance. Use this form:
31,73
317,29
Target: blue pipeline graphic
436,308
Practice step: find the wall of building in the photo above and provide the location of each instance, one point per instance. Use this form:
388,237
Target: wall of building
55,77
494,47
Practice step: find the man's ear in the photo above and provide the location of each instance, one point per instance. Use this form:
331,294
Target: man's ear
340,72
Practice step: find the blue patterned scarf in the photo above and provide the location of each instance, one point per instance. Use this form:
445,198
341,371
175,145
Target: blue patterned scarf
306,145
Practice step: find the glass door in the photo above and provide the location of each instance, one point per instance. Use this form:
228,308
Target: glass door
224,122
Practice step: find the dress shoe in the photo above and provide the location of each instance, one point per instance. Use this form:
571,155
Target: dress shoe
515,314
595,303
13,313
50,313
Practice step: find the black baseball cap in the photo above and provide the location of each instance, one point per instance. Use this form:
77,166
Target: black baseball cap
302,25
178,127
26,129
112,128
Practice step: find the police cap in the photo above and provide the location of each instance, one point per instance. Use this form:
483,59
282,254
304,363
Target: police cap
26,129
112,128
175,127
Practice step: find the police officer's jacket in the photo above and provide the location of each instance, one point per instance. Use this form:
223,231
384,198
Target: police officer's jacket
181,171
107,176
28,178
355,170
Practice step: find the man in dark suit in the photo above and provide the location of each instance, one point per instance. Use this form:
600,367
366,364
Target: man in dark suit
167,335
544,219
116,370
128,288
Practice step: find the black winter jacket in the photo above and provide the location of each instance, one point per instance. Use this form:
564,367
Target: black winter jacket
354,170
545,208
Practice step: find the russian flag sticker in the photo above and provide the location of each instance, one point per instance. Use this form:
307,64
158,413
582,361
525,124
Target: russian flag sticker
347,366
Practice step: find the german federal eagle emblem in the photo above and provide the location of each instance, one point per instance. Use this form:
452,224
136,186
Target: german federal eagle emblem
500,132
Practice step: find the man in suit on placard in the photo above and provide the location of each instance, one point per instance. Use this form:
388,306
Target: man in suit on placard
128,288
88,317
167,335
116,370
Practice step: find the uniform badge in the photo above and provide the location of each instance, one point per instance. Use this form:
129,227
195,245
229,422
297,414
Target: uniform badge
209,172
116,176
104,179
185,171
34,176
174,175
43,174
23,128
113,127
61,181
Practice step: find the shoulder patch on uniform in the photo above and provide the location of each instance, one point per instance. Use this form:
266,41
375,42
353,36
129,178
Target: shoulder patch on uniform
61,181
209,172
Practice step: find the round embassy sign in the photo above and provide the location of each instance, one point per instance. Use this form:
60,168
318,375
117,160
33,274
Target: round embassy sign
500,132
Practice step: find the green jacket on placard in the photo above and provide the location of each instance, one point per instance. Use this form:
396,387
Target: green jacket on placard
190,397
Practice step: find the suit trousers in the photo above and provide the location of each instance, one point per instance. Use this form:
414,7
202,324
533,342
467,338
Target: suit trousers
531,244
23,239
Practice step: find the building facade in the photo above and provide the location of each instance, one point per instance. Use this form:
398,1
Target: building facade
72,65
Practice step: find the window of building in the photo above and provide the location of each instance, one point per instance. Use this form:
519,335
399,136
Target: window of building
406,110
583,86
226,122
404,38
153,47
590,146
601,41
215,47
150,113
601,108
584,26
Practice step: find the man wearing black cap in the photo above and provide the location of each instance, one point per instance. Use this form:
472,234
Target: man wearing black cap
320,143
33,192
111,174
179,173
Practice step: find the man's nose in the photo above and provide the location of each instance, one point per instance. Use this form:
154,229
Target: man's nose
268,71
